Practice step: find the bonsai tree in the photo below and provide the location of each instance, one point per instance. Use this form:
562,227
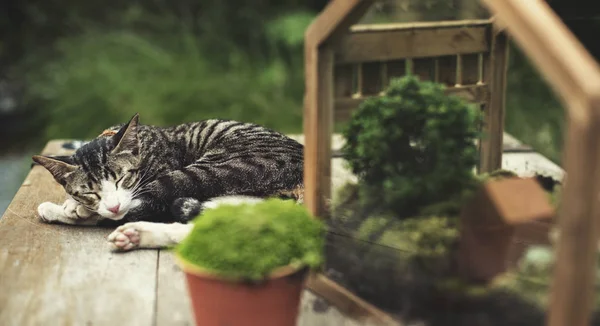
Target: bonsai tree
233,247
413,146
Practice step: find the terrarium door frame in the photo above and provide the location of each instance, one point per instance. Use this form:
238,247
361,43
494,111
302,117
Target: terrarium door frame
560,57
575,76
346,63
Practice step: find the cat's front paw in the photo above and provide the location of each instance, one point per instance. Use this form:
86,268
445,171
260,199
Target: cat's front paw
74,210
135,235
125,237
50,212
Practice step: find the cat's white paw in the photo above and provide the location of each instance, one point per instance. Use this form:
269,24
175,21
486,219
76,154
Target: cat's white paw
147,235
50,212
125,237
74,210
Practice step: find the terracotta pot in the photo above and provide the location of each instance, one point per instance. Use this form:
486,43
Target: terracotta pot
218,301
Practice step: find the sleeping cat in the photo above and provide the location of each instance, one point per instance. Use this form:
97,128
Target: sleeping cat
153,180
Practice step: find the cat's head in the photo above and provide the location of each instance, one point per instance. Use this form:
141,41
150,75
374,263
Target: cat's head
103,174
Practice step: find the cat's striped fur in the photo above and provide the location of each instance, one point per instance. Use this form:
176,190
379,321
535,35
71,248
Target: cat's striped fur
135,172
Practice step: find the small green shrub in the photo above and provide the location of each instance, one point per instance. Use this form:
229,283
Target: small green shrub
413,146
249,241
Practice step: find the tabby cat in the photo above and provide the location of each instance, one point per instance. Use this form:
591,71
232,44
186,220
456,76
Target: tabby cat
153,180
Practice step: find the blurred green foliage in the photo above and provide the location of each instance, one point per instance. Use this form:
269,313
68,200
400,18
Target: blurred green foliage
81,66
102,77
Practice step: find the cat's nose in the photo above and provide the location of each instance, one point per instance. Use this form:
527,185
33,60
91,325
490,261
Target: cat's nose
114,209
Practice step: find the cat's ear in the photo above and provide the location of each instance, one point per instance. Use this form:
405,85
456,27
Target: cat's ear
126,139
58,166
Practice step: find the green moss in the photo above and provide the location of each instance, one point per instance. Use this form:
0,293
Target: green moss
249,241
423,236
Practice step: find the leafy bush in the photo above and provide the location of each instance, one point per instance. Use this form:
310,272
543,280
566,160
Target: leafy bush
249,241
412,147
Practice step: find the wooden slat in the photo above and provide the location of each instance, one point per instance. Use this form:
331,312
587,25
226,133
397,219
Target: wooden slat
173,305
473,93
347,302
334,21
421,25
318,126
575,74
491,144
64,275
572,289
557,53
394,44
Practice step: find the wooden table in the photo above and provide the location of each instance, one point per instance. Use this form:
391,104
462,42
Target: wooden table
53,274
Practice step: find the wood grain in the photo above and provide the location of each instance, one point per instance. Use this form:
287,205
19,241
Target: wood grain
495,76
400,43
575,75
334,21
318,127
552,47
173,304
348,303
65,275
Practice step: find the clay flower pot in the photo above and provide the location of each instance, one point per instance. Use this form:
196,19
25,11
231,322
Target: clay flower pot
220,301
246,263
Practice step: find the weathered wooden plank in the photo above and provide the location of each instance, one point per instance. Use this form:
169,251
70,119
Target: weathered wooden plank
347,302
318,127
66,275
334,21
473,93
425,25
173,301
395,43
554,49
495,76
315,311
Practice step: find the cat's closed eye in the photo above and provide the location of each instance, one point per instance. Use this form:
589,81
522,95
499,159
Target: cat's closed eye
92,194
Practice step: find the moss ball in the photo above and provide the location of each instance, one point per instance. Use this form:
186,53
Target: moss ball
250,240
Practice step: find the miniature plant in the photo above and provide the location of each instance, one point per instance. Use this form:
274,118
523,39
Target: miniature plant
249,241
413,146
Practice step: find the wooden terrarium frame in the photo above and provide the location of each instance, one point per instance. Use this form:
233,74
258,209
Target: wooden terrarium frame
345,63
